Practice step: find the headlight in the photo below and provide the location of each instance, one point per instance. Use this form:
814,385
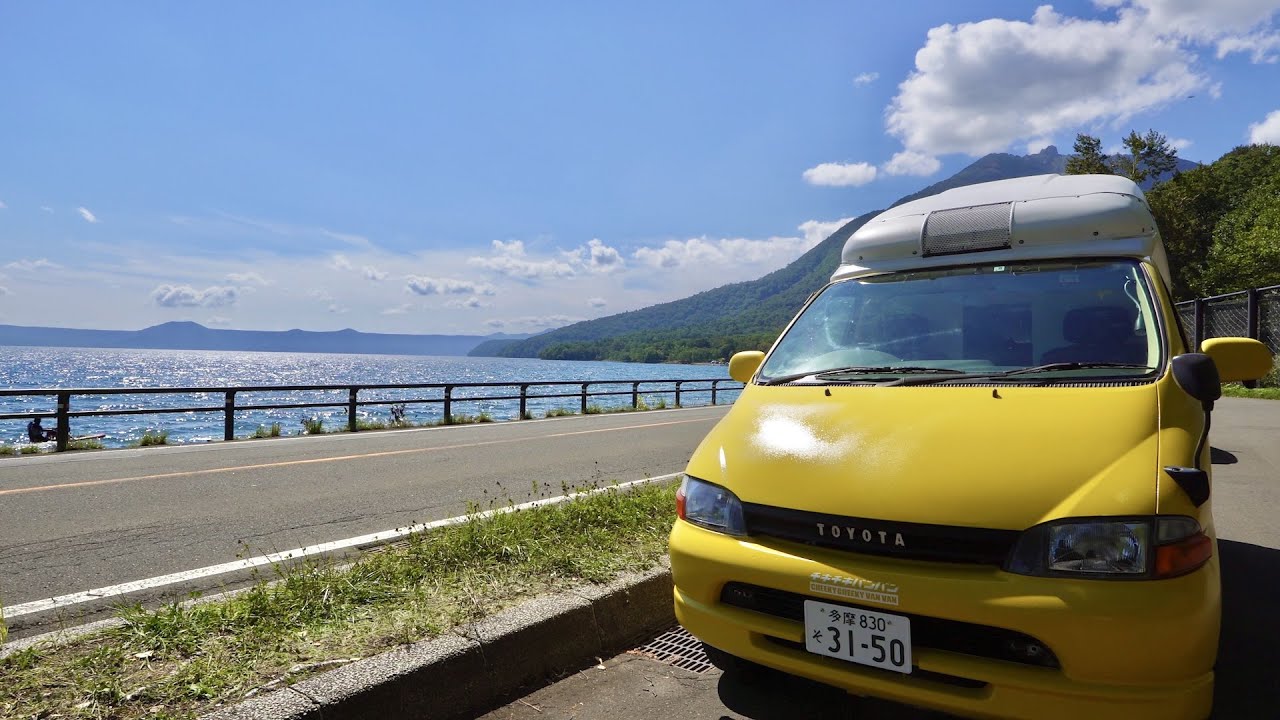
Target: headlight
710,506
1112,548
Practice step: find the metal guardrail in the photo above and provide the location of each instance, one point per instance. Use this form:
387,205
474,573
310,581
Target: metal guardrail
1253,313
63,412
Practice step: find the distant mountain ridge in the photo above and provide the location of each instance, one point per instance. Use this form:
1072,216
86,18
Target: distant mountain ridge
194,336
756,307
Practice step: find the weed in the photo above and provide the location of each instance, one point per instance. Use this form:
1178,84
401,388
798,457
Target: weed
313,425
7,450
159,437
370,424
559,412
29,449
267,432
1237,390
86,444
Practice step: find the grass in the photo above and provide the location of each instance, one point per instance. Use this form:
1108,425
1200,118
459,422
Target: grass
558,412
313,425
159,437
483,417
89,444
1237,390
180,661
29,449
267,432
8,450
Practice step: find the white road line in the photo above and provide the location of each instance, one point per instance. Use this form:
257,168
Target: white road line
380,538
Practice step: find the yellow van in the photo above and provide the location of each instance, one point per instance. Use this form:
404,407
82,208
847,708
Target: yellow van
972,474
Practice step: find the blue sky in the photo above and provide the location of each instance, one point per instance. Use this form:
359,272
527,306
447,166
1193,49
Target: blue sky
485,167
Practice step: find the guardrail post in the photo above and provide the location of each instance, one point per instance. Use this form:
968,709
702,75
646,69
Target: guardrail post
64,420
351,408
448,404
229,416
635,395
678,383
1198,329
584,398
524,401
714,386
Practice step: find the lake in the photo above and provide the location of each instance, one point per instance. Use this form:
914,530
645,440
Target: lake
45,367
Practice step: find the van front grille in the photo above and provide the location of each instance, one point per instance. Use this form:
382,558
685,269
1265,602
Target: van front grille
916,541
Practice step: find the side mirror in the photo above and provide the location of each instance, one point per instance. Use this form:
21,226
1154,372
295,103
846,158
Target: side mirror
1197,375
1238,358
743,365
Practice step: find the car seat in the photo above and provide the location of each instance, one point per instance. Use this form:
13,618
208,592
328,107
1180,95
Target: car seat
1099,334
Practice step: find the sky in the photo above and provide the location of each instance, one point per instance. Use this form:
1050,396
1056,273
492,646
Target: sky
475,168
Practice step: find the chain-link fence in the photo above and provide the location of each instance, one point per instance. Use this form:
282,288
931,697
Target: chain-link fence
1248,313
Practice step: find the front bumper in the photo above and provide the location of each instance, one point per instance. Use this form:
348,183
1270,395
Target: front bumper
1127,649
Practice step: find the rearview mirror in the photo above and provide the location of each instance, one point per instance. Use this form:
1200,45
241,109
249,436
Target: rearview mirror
743,365
1238,358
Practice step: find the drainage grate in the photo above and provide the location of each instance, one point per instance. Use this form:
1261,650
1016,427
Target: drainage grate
676,647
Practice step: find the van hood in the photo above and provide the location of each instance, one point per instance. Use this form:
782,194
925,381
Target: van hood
1007,458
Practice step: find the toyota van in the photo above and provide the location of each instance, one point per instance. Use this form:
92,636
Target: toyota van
973,473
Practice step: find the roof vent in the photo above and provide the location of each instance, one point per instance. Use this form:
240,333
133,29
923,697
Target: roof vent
969,229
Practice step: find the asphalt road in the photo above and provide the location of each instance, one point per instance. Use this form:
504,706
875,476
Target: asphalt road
78,521
1246,497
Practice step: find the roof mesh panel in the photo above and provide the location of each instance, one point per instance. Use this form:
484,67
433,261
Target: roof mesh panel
970,229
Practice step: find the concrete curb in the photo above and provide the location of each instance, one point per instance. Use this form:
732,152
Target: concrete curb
480,665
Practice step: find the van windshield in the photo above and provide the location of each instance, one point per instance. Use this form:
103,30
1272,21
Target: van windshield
1056,319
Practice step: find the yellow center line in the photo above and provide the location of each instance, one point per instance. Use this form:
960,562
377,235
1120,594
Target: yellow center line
338,458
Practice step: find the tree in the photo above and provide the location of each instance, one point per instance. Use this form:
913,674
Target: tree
1088,158
1150,157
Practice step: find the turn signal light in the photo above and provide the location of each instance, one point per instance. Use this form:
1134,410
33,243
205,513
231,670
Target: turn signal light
1182,557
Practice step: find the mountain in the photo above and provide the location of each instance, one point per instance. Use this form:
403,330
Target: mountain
746,314
193,336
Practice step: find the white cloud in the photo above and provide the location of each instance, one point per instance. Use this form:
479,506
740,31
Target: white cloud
3,206
840,174
373,273
704,252
187,296
597,302
510,259
1229,25
471,303
88,216
599,257
33,265
340,262
398,309
336,309
1267,131
534,322
4,290
866,78
912,163
1180,144
248,278
980,87
421,285
218,320
47,209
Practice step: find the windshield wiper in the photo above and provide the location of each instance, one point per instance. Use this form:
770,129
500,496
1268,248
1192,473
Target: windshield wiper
859,370
1048,367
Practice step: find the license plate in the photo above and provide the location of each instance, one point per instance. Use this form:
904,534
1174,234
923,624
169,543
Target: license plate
870,638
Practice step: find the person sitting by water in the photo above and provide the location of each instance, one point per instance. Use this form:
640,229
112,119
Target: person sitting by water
37,433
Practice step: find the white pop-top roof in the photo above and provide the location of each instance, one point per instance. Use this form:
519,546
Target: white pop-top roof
1029,218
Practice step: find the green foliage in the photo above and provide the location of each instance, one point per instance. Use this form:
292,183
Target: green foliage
266,432
159,437
363,424
1088,158
7,450
1150,157
30,450
87,444
313,425
558,412
1221,223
